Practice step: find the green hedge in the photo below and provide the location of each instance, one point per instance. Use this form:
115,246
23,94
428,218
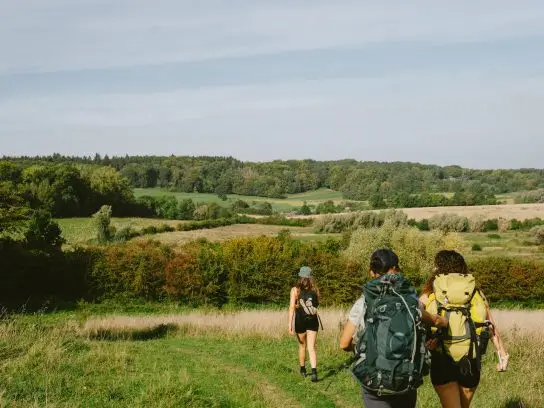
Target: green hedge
240,271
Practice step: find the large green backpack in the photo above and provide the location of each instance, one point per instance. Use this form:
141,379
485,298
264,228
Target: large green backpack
391,347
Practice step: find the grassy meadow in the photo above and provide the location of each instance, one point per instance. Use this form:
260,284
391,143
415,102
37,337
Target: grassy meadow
292,202
206,359
80,230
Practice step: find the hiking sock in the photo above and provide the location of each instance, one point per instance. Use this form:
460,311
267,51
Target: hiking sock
303,371
314,374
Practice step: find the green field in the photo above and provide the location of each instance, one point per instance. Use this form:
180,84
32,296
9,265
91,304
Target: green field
510,244
290,203
52,361
81,230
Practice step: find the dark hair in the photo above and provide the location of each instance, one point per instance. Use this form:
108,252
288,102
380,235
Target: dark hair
307,285
383,260
446,261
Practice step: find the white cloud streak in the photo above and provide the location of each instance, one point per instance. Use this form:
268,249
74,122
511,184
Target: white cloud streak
86,34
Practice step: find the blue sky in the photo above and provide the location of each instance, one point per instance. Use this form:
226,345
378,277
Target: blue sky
426,81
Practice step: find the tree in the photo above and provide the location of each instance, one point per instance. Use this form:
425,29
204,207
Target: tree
305,209
376,201
102,220
186,209
43,233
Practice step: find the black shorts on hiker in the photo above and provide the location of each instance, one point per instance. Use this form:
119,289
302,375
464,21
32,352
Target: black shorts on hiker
372,400
304,323
444,371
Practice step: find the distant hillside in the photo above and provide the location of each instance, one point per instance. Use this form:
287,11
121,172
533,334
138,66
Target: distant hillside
356,180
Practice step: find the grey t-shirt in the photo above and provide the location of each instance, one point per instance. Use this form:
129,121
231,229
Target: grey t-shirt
357,317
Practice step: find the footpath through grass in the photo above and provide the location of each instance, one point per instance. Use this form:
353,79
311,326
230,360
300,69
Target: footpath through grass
53,362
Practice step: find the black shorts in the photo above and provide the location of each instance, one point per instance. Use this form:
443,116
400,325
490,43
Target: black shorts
304,323
444,370
372,400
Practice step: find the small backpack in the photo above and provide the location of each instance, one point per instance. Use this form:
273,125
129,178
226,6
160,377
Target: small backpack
308,302
391,348
456,297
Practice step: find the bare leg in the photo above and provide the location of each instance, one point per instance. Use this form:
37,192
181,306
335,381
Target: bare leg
449,395
466,395
312,336
301,348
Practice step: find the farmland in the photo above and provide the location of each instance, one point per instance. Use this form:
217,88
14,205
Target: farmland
292,202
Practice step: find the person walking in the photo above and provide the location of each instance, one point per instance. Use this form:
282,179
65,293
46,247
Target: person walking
385,331
304,320
456,352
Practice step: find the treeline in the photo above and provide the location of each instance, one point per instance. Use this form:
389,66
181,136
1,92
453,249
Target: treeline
397,182
79,190
66,190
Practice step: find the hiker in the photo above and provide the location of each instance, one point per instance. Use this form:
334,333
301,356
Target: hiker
456,352
303,318
385,331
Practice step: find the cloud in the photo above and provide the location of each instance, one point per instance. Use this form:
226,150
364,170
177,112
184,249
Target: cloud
66,35
455,82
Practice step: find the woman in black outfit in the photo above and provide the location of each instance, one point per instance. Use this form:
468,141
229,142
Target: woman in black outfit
303,313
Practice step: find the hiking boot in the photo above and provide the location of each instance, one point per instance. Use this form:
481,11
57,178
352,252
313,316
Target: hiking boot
303,371
314,375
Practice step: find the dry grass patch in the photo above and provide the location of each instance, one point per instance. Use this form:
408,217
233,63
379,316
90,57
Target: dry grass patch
228,232
507,211
271,323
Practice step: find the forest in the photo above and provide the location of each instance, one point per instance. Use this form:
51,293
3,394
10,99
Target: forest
398,183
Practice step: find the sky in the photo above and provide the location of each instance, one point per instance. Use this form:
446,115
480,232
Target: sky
423,81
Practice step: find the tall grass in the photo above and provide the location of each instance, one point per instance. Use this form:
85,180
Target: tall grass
211,359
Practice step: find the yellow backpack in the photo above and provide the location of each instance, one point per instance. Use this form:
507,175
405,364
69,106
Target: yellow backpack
456,297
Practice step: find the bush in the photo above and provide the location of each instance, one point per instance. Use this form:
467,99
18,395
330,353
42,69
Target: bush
509,278
491,225
494,236
449,223
371,219
124,234
477,224
102,220
476,247
415,249
538,234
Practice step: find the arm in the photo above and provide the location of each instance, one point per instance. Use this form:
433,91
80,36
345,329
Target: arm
433,320
292,303
429,319
346,339
496,339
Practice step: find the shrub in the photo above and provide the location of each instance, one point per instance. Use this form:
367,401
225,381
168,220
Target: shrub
504,225
449,223
415,249
124,234
476,247
491,225
476,224
102,220
538,234
509,278
371,219
131,270
494,236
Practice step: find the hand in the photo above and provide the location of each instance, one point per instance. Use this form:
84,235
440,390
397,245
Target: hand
440,321
291,331
431,344
503,361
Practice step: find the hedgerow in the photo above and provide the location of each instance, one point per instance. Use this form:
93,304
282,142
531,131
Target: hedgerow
258,270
